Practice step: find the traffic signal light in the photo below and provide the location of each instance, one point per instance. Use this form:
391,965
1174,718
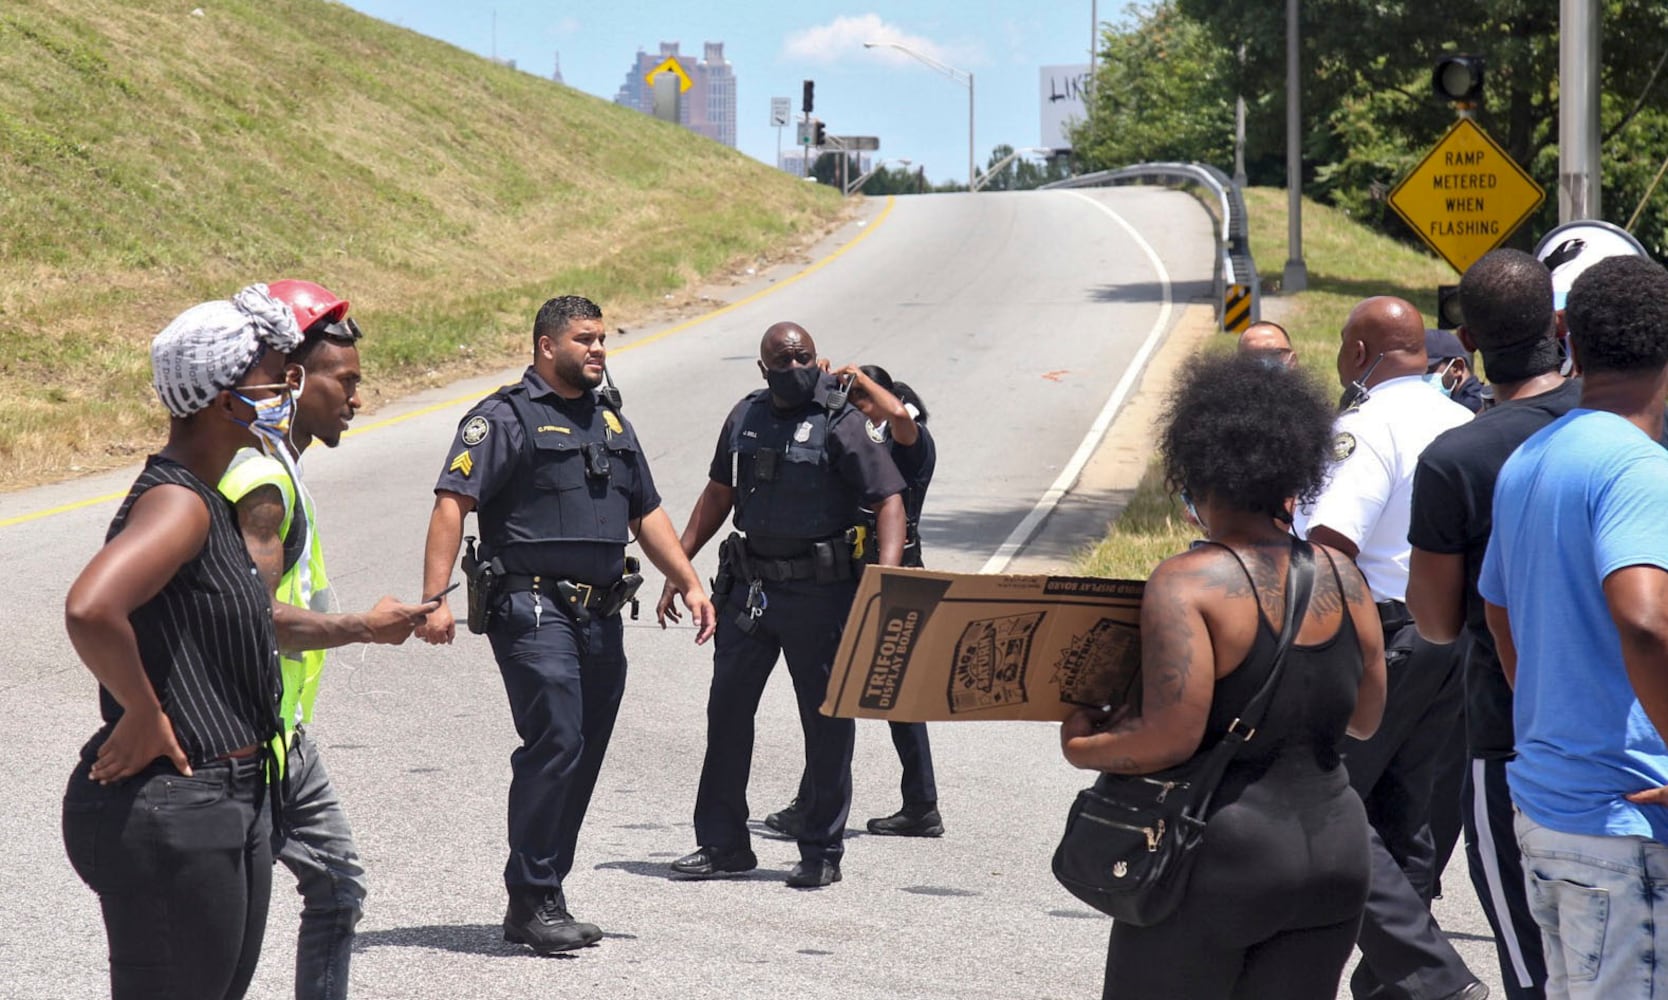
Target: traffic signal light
805,105
1448,315
1459,78
818,134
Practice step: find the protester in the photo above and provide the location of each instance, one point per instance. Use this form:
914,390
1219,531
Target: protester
1575,580
167,817
1391,416
1274,901
1270,342
280,526
1450,369
1507,299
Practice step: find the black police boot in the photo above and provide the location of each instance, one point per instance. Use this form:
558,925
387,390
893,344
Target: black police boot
919,820
543,923
789,822
711,862
813,874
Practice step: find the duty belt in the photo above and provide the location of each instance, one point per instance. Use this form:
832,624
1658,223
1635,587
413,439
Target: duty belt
776,570
584,595
1393,615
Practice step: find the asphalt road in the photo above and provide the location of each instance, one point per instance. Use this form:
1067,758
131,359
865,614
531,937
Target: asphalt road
1015,316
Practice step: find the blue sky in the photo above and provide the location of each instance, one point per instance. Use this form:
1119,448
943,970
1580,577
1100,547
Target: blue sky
917,113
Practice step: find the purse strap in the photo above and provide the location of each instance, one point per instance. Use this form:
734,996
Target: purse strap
1300,584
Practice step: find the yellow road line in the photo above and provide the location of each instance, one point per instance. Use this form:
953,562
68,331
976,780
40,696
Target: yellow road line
448,404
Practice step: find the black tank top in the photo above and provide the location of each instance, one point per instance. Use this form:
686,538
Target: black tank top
1309,714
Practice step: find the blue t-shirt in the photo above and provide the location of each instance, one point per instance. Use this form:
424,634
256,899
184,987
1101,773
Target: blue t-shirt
1583,498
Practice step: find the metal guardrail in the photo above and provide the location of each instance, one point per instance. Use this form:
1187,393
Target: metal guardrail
1234,265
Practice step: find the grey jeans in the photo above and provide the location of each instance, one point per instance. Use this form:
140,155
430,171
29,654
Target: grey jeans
319,849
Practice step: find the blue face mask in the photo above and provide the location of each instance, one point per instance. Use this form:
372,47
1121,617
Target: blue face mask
1435,379
273,417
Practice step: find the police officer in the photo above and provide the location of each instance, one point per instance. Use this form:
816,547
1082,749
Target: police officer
1391,415
795,464
895,416
558,483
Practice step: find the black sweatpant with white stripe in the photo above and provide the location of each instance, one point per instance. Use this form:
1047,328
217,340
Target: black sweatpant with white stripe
1497,875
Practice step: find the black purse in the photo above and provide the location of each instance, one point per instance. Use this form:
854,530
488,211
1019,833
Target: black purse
1131,840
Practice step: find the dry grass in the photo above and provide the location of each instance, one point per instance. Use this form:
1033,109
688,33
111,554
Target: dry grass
1346,263
150,159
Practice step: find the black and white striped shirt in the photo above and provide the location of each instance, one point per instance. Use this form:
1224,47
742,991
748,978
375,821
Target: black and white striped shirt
206,639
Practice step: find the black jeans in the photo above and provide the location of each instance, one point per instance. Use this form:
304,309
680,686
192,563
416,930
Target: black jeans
564,681
183,871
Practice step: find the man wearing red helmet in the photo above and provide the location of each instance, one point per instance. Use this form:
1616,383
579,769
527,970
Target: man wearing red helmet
280,529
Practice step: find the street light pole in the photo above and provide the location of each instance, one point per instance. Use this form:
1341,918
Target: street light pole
958,75
1296,276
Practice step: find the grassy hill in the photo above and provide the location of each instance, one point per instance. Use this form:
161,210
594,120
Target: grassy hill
152,157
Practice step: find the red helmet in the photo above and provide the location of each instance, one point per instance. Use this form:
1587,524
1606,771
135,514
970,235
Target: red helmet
312,304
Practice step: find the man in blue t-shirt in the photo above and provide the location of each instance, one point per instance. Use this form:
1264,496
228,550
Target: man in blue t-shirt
1576,584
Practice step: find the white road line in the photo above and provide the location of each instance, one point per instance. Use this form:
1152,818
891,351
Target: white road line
1022,533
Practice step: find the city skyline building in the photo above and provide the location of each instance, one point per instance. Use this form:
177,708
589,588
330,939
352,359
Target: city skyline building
708,107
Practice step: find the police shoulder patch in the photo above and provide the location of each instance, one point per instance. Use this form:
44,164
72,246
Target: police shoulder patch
1343,446
475,430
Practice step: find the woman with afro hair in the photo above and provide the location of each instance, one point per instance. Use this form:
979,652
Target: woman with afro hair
1275,899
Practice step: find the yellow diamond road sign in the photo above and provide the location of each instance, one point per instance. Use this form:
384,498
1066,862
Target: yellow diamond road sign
670,66
1466,196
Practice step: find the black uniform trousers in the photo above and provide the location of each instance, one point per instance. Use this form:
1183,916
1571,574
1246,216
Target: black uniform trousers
564,681
1404,954
1497,875
919,786
801,621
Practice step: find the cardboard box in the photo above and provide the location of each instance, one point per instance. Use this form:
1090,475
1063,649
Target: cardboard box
923,646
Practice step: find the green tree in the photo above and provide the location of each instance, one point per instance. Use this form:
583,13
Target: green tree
1163,90
1368,109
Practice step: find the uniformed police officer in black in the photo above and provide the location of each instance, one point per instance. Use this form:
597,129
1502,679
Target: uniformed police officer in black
558,483
796,465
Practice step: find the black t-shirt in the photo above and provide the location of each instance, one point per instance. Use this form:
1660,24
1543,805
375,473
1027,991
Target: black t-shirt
1453,508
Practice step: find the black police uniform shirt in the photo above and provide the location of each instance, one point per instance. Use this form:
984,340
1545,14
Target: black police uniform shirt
861,465
490,450
1453,507
916,463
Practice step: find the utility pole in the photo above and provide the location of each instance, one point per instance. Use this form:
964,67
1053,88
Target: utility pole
1578,110
1296,276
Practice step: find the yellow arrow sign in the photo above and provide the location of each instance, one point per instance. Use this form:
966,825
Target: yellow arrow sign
1466,196
671,65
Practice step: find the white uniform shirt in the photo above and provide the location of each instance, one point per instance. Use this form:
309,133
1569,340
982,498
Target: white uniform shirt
1368,497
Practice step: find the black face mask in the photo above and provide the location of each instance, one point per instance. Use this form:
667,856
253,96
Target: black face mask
793,387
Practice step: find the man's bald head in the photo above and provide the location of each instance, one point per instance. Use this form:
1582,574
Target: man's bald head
1268,340
1382,326
785,339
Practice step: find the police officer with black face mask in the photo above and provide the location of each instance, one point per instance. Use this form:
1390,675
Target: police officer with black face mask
559,484
796,465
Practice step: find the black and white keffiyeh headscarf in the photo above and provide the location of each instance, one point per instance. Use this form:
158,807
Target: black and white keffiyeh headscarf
208,347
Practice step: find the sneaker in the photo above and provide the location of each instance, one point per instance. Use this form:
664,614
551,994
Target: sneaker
789,822
910,821
544,924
